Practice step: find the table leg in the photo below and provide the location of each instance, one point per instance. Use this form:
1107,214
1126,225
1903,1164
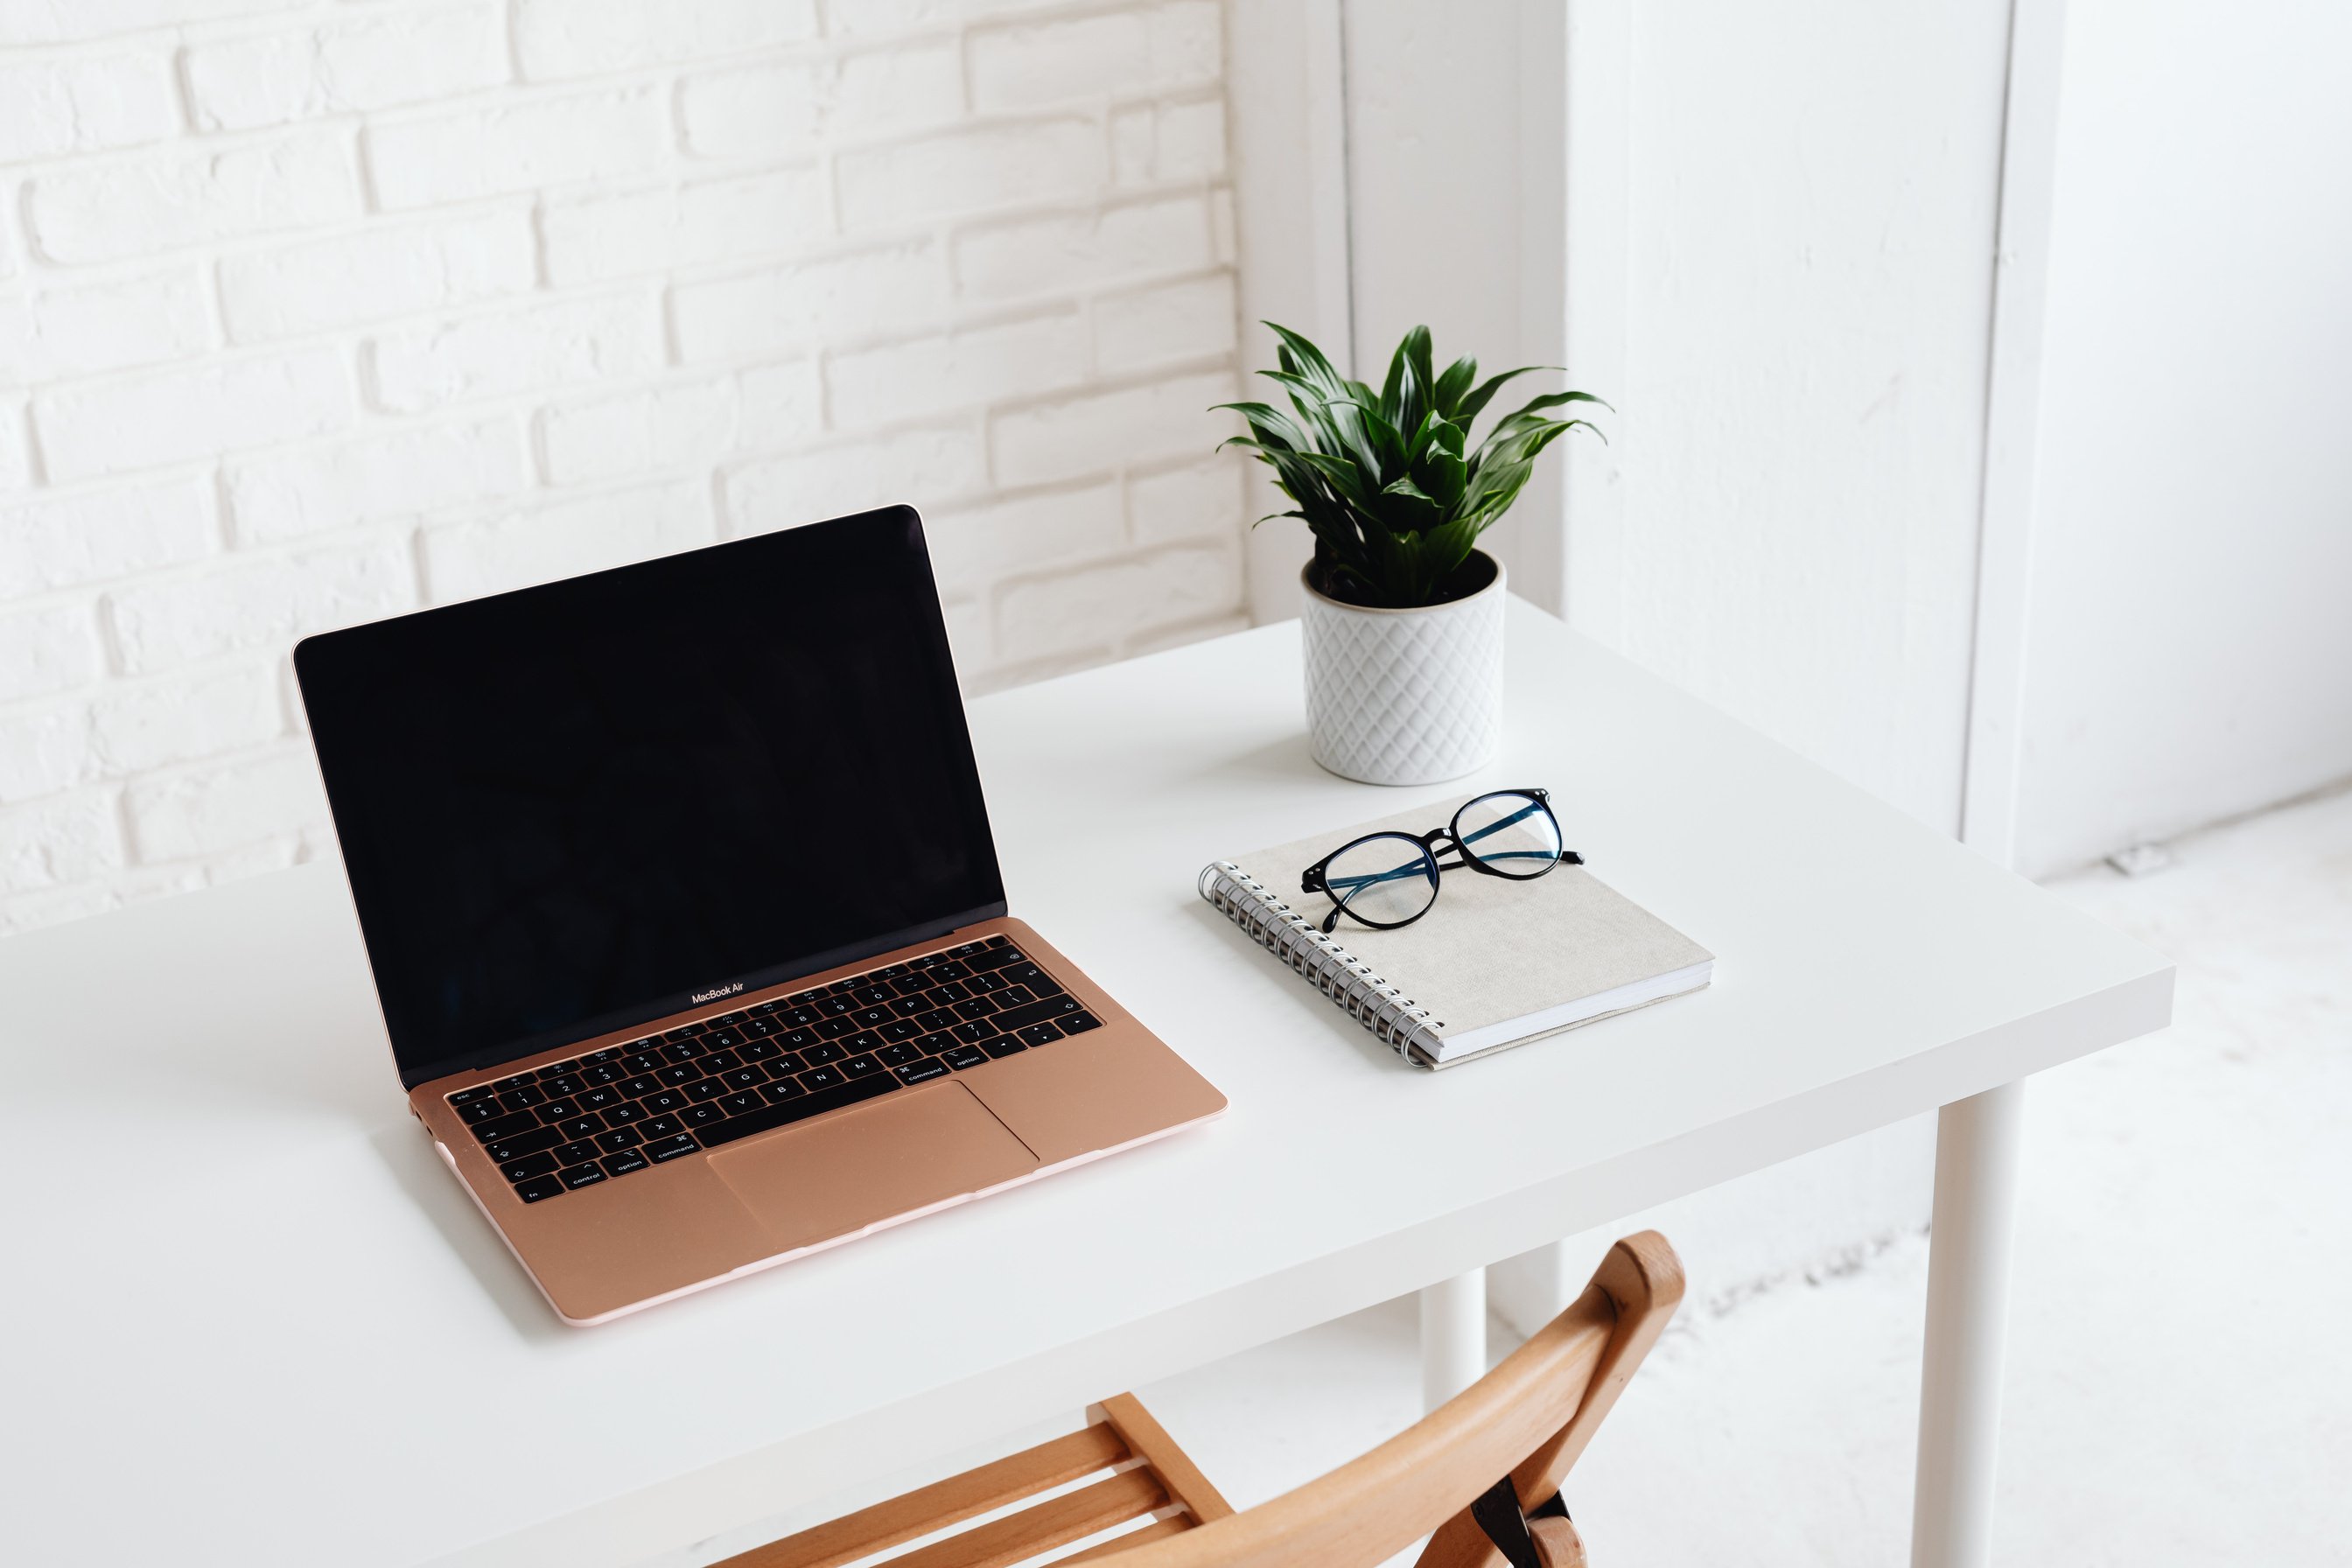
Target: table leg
1968,1322
1453,1336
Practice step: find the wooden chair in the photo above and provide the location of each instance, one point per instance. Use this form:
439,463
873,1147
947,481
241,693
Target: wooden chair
1484,1469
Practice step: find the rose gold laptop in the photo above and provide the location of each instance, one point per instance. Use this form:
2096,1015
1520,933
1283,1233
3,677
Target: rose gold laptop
677,887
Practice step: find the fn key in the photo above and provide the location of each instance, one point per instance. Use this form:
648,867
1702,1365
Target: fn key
539,1187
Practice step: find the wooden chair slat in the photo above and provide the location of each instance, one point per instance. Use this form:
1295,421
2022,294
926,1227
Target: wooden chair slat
1148,1440
1042,1526
942,1503
1173,1524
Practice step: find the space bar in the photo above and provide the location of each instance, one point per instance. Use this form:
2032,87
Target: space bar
769,1118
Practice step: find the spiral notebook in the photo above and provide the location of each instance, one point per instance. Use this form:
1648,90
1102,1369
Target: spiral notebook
1495,963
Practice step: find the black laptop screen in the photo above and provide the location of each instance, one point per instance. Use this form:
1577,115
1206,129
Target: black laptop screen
572,808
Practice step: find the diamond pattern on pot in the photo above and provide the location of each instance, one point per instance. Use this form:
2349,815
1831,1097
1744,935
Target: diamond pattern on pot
1405,697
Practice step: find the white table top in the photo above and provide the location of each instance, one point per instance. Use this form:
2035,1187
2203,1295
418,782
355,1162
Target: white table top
250,1319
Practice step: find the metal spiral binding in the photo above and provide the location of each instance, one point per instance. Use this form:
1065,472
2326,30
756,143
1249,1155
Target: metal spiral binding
1393,1018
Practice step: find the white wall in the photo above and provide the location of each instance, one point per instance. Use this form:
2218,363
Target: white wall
314,312
2190,651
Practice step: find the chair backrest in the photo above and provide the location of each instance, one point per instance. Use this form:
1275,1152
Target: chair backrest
1530,1418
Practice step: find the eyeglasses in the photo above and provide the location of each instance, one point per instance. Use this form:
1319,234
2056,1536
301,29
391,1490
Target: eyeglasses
1389,879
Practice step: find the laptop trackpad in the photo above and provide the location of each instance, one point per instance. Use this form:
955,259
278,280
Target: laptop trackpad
884,1159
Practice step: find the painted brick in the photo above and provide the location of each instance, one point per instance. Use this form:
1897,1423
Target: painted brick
1189,140
359,63
92,329
53,906
181,415
381,271
46,650
875,18
787,307
1131,136
972,547
49,108
959,370
1195,502
219,809
919,468
971,170
259,602
791,107
541,543
1034,64
15,452
778,403
63,839
154,724
659,429
58,542
522,350
172,198
516,147
420,469
1055,254
556,38
1150,327
597,238
1110,429
1109,605
43,750
67,21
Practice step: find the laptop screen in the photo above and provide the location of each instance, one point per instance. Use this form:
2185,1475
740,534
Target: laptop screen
577,807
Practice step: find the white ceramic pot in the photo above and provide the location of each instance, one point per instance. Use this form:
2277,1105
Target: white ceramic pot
1405,697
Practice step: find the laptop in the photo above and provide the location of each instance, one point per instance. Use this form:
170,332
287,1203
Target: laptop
687,924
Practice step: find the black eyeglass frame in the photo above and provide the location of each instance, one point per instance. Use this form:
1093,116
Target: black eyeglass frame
1314,878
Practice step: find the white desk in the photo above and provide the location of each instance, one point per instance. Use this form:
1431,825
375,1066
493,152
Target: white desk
250,1319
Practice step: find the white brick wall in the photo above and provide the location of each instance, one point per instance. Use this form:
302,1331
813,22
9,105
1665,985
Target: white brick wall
312,312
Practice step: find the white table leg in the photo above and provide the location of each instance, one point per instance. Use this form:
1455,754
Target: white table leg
1968,1322
1453,1336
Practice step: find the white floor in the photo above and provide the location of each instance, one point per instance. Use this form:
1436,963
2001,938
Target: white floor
2180,1373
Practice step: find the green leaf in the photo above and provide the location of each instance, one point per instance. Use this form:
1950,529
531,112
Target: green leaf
1303,358
1476,401
1452,385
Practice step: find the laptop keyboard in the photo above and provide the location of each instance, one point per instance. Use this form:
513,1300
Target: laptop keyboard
614,1113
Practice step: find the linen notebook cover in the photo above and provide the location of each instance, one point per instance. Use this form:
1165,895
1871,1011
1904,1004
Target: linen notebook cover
1494,963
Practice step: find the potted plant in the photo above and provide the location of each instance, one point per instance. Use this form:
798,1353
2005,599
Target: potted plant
1403,621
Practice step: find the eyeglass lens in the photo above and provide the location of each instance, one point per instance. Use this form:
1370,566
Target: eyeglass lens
1385,880
1511,833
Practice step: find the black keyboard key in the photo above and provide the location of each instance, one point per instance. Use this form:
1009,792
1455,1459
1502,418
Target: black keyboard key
656,1128
1032,977
539,1187
907,1006
671,1148
768,1118
583,1126
1078,1023
947,995
718,1062
637,1088
742,1104
994,958
623,1163
745,1077
623,1114
783,1089
581,1176
703,1115
798,1017
684,1072
872,1017
686,1032
618,1139
560,1083
759,1029
954,969
822,1078
798,1040
602,1075
707,1089
529,1165
985,984
645,1061
725,1020
974,1031
872,994
572,1153
1000,940
521,1096
598,1099
789,1063
862,1065
521,1144
483,1109
722,1039
507,1126
521,1078
963,1057
666,1100
900,1053
685,1050
1003,1046
1041,1033
866,1042
833,1004
474,1096
1015,1018
911,984
606,1055
1014,995
818,1054
920,1068
556,1110
760,1051
979,1008
902,1029
833,1028
933,1044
